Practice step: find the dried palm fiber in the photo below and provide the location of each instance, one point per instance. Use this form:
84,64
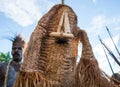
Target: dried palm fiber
88,73
50,61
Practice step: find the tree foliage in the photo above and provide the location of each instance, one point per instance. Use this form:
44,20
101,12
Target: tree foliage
4,57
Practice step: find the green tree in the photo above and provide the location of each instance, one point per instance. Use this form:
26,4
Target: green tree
4,57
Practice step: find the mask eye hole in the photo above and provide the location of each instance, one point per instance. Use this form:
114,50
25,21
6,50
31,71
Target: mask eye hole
61,41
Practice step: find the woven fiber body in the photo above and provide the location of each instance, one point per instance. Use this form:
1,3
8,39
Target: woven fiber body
50,61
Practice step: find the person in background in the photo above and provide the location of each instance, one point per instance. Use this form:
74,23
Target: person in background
115,79
8,70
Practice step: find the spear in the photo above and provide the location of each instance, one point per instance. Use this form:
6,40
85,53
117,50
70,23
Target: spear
113,41
106,55
110,52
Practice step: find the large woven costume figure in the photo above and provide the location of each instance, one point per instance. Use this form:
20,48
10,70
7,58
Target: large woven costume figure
50,58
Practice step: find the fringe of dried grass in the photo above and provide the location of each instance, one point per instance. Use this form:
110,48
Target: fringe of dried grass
34,79
27,79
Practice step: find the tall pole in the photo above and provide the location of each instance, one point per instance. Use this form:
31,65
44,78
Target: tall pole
113,41
106,56
63,2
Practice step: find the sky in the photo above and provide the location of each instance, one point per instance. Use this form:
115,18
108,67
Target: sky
22,16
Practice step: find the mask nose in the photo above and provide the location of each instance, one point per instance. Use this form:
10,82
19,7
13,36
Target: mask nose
63,27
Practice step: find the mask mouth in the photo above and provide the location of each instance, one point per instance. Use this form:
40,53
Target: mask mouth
63,30
61,40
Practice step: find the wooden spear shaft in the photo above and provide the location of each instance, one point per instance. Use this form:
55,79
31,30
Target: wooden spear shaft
113,41
106,56
111,54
